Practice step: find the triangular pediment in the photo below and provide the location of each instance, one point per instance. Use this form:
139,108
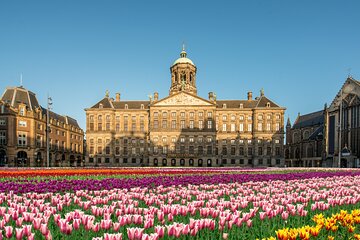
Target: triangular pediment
183,99
349,94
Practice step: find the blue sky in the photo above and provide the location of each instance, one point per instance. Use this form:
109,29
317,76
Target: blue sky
298,51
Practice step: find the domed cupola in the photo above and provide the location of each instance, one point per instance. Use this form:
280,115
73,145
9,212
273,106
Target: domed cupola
183,75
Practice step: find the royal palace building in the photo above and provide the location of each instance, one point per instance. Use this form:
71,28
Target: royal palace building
184,129
23,138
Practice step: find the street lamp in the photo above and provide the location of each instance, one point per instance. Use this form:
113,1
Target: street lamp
340,116
49,104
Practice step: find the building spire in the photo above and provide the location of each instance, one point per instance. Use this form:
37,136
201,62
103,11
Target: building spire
183,52
288,124
21,80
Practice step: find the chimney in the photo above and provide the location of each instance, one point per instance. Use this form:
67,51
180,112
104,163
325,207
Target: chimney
156,96
117,97
249,96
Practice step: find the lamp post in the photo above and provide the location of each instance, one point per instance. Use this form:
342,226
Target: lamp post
49,104
340,116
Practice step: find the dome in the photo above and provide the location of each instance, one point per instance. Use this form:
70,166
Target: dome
183,58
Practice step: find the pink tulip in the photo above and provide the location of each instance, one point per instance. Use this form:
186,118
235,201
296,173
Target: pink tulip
76,223
160,230
31,236
8,231
37,223
116,226
249,223
27,230
44,229
285,215
19,221
19,232
96,227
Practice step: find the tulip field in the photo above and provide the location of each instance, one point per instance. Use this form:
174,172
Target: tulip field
179,203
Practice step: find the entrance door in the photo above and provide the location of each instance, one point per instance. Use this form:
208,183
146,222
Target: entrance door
209,163
343,163
2,158
21,159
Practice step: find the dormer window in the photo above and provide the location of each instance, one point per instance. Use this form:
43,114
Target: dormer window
142,106
224,105
241,105
268,104
126,106
101,105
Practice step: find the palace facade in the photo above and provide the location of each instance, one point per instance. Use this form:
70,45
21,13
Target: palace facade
184,129
23,133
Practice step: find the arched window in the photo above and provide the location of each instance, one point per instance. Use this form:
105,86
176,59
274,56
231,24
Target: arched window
191,162
164,162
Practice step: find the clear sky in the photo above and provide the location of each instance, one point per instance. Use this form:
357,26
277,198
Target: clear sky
300,52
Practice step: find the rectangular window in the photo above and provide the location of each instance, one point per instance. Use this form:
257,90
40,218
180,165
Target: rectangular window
241,127
209,114
209,124
191,124
232,127
99,151
142,127
277,127
224,127
2,137
107,126
133,127
268,126
91,150
117,127
173,124
241,151
249,151
182,149
99,126
200,114
201,124
22,139
191,114
107,150
182,124
173,114
260,151
191,149
259,126
277,151
268,151
164,150
156,124
249,127
182,114
209,150
2,122
232,151
164,124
